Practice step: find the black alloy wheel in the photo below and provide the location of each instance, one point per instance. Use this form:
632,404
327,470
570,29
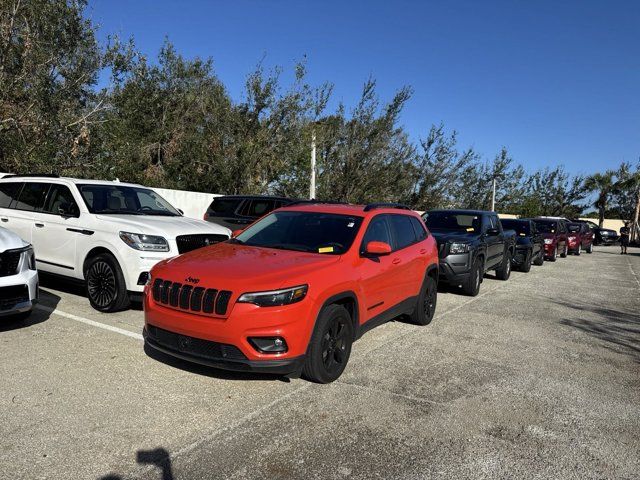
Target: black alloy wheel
334,346
425,307
106,287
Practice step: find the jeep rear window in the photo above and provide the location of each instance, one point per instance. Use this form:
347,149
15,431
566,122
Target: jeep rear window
324,233
453,221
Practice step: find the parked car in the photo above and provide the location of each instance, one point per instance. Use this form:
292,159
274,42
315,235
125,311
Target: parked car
554,233
579,237
529,243
237,211
107,234
293,291
18,277
470,243
602,236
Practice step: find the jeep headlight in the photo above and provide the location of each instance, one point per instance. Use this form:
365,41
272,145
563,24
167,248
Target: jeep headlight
459,248
275,298
548,241
146,243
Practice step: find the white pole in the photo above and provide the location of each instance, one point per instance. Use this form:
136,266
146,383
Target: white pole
493,196
312,187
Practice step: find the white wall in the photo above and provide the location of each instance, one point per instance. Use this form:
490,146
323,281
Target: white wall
193,204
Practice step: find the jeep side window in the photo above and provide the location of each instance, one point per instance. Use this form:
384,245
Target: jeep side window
402,231
377,231
9,193
419,229
32,197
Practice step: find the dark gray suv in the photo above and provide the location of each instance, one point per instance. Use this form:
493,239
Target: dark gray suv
237,211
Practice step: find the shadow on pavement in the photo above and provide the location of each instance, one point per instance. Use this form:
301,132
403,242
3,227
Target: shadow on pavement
158,457
209,371
615,327
37,316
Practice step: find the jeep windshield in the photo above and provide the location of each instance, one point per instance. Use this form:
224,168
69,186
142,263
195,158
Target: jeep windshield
521,227
462,222
125,200
324,233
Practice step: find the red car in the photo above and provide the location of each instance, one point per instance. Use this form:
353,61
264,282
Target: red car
554,233
579,237
290,294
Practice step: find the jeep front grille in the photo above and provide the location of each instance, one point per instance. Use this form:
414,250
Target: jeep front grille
190,298
186,243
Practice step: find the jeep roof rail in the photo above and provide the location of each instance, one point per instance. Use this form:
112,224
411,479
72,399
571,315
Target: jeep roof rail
373,206
312,201
46,175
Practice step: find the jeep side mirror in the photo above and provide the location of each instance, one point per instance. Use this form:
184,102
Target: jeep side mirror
377,248
180,211
492,232
235,233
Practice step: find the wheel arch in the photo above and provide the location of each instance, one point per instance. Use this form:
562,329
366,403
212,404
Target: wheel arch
94,252
349,301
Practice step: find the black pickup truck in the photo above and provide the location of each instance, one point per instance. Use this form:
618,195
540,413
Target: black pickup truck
529,243
470,243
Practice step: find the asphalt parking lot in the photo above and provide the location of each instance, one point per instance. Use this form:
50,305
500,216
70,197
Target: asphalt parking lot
537,377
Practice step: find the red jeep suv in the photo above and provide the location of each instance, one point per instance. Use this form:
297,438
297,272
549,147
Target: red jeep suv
290,294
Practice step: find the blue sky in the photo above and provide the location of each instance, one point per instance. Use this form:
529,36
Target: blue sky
556,82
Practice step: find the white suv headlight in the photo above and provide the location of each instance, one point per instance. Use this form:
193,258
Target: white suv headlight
146,243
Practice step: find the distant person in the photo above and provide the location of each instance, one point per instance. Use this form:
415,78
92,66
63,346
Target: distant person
624,238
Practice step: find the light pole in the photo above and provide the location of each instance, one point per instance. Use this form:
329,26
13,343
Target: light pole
312,186
493,195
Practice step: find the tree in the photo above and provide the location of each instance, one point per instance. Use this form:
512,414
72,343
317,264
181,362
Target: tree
49,61
603,185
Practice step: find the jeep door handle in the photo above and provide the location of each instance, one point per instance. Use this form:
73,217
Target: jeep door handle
423,251
4,219
40,225
396,261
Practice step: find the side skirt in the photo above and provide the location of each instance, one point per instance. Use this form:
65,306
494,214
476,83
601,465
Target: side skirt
405,307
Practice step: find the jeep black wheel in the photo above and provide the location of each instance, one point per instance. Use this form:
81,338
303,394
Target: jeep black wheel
471,286
330,345
426,304
106,287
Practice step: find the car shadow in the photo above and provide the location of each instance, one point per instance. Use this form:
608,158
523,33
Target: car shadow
620,330
207,371
38,315
158,457
75,287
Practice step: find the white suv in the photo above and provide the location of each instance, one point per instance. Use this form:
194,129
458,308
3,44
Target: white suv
18,277
108,234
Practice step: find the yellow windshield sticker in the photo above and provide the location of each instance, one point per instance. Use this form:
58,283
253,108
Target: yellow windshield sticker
325,250
470,229
523,234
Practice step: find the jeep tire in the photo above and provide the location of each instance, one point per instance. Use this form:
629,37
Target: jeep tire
330,345
105,285
426,303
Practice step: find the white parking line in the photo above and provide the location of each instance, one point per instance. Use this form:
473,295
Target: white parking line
86,321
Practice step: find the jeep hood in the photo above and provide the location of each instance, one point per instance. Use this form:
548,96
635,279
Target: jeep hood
10,241
241,268
168,227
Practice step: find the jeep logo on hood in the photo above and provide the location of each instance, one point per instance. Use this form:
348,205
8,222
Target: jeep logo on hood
192,280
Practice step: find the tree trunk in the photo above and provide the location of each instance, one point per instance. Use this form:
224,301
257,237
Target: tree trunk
635,234
600,217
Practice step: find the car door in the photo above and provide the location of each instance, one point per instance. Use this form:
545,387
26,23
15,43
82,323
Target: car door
56,231
536,238
587,235
376,272
407,261
561,229
25,210
495,242
9,192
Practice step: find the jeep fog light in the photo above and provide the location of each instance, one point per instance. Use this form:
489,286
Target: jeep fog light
269,344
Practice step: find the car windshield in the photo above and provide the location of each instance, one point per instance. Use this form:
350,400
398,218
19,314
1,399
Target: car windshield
303,231
546,227
521,227
125,200
463,222
573,227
